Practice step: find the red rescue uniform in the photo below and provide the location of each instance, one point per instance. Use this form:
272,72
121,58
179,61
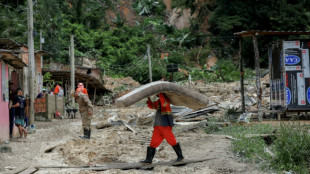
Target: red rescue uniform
163,122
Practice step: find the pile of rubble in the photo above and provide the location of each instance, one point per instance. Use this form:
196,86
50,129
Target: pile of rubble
224,96
119,84
228,95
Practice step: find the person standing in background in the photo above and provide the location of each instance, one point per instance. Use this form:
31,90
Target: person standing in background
12,94
21,110
86,110
56,89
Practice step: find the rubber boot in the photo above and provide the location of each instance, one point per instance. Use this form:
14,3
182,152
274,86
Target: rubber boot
149,156
85,134
178,151
88,134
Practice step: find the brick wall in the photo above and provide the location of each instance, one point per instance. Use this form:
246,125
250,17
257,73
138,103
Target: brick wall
44,108
25,57
40,105
38,63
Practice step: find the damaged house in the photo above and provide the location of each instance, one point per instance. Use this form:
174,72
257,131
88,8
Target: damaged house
14,63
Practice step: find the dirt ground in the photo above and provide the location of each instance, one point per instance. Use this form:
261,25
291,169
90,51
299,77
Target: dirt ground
117,144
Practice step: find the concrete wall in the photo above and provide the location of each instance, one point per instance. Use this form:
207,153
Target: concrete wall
53,103
25,85
4,110
39,77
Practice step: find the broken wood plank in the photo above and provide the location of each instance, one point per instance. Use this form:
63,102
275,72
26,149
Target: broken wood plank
30,170
21,170
192,119
130,128
259,135
127,166
230,137
49,150
201,124
104,125
208,109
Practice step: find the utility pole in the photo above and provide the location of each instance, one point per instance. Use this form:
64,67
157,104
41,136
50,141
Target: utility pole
72,66
258,85
150,63
41,78
41,40
241,76
31,62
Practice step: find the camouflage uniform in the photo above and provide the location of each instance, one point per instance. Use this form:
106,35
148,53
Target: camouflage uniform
85,107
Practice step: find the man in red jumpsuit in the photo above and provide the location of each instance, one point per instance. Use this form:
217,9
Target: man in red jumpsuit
162,128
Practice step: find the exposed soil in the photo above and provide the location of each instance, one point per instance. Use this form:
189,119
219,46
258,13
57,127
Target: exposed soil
117,144
57,143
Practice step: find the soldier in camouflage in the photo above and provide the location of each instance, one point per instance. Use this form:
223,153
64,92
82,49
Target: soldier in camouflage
86,110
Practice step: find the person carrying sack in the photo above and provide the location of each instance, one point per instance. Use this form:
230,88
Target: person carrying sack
162,128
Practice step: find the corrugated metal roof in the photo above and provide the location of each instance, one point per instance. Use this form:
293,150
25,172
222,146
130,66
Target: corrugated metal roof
11,58
265,32
7,43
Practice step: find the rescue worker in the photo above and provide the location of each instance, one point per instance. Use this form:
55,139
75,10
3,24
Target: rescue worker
162,128
56,89
82,89
86,110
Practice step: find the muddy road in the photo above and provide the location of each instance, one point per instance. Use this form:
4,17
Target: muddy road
56,143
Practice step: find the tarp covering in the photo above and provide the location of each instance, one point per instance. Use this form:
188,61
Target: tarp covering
178,95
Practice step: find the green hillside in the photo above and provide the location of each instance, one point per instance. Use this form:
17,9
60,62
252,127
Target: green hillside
116,33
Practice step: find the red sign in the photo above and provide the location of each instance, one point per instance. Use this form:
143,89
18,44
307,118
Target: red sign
286,79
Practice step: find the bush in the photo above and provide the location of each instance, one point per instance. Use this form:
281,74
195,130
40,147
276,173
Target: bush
292,149
251,149
149,7
226,71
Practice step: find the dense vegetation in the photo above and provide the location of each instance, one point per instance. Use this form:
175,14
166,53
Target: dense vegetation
120,49
287,151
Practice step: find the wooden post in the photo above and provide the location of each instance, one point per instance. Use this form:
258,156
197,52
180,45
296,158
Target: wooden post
150,63
31,61
41,39
94,96
41,57
258,85
241,75
66,89
72,66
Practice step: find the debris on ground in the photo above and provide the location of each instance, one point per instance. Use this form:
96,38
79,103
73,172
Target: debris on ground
121,135
5,149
